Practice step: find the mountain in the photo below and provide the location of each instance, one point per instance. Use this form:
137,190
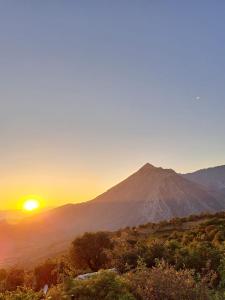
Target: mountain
11,216
154,194
151,194
212,179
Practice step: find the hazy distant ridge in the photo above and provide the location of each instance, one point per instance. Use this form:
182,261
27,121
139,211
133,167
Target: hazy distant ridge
212,178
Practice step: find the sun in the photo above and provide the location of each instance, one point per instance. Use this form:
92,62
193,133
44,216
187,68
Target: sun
31,205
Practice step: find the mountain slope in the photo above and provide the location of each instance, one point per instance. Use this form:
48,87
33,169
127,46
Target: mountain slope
212,178
149,195
160,194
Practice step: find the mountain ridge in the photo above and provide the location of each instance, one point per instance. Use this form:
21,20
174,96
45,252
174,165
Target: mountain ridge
213,178
150,194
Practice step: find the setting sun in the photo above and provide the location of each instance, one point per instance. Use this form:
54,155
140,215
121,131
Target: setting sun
31,205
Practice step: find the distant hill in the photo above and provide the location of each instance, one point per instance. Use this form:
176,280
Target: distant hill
11,215
212,178
179,226
149,195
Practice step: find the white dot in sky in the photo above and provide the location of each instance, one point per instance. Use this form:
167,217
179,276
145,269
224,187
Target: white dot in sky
197,98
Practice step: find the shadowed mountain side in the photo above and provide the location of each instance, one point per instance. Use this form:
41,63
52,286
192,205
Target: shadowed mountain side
149,195
212,178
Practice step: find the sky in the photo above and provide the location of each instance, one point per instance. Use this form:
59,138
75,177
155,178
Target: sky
92,90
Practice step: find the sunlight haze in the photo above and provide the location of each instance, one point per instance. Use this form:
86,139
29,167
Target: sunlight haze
91,91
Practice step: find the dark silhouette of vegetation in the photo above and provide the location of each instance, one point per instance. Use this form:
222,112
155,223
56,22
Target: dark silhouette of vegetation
89,251
14,279
46,273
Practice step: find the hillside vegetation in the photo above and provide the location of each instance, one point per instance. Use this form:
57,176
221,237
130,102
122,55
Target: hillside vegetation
172,260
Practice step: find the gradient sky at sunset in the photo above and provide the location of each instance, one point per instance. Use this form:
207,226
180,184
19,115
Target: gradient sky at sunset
92,90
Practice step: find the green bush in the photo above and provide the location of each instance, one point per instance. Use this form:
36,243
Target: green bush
103,286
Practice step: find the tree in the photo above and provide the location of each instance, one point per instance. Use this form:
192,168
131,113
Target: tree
45,273
14,279
89,251
126,258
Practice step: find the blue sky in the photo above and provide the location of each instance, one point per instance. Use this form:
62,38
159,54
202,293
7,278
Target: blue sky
91,90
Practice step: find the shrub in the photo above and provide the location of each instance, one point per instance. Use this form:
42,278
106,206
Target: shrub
200,256
127,258
21,294
165,283
103,286
55,293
